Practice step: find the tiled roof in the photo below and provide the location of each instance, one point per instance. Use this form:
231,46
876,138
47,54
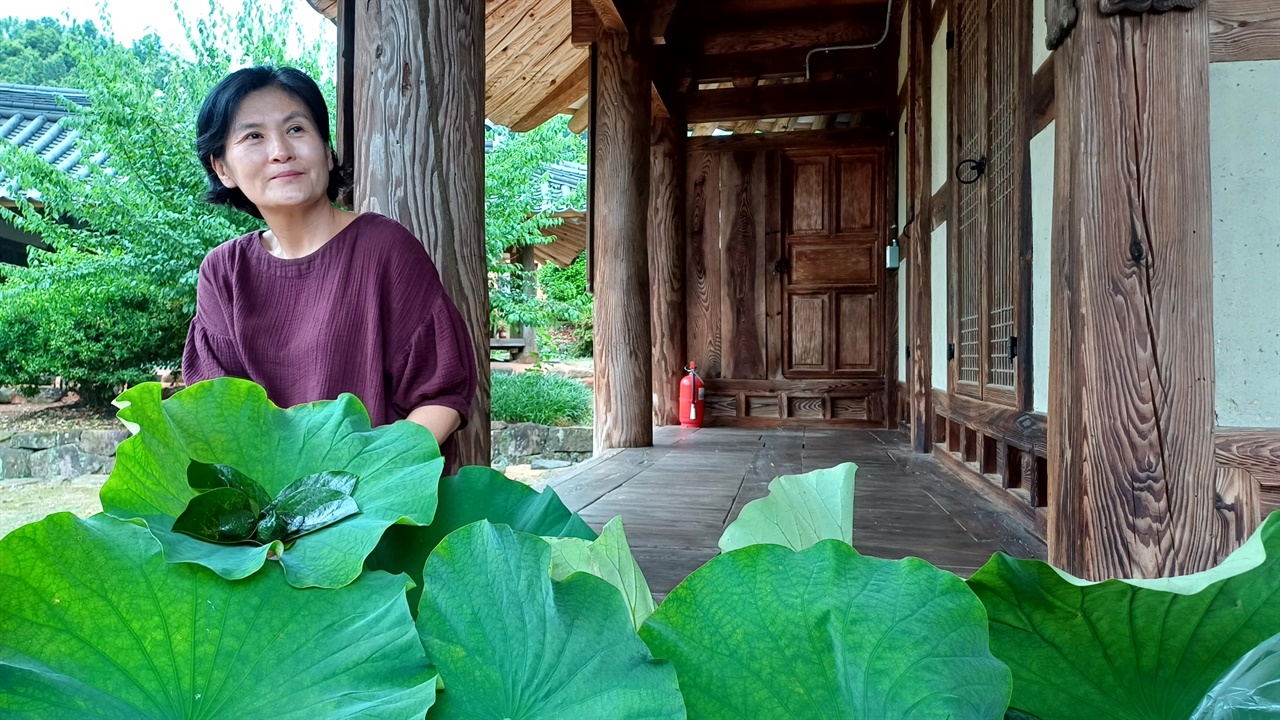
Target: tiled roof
34,118
563,178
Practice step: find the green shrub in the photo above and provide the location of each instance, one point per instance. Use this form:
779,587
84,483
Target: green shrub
564,292
95,330
538,398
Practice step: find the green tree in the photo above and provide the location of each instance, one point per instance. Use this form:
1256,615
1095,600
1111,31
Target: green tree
127,265
516,212
36,52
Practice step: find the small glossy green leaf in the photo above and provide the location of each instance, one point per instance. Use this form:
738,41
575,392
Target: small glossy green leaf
304,511
231,422
1128,649
799,511
221,515
608,558
96,625
336,480
509,642
475,493
203,476
767,632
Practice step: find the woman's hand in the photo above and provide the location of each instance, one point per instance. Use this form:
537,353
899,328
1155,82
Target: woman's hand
440,420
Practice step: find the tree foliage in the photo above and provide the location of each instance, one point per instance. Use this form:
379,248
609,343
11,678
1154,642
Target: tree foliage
129,239
517,209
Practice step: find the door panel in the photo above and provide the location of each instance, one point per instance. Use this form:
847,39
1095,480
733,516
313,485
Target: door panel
809,333
859,210
808,196
856,333
848,263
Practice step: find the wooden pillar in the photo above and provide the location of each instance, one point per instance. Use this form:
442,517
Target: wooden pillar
419,145
1131,472
920,197
621,106
666,265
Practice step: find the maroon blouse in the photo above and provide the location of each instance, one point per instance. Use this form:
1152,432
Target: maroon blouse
364,314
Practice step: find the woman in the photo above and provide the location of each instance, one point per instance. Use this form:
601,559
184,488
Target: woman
323,301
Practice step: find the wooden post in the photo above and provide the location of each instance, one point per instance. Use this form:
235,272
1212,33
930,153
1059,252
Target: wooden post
1131,470
621,100
666,265
419,145
920,193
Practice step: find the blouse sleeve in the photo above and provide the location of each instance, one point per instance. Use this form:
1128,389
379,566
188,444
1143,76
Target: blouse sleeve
437,365
210,350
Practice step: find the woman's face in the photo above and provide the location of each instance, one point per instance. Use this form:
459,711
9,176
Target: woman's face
274,153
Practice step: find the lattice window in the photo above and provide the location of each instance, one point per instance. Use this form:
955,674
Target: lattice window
991,56
1004,226
971,228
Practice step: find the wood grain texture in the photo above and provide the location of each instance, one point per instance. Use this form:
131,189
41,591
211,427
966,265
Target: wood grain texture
743,262
1111,7
1042,97
666,266
563,92
610,18
702,277
623,346
791,99
1131,457
796,140
1026,431
1059,17
1244,30
925,208
1256,450
780,29
419,144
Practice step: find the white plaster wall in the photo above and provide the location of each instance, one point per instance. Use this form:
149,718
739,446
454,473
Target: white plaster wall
1041,261
1040,33
902,174
1244,148
902,320
938,108
903,45
938,293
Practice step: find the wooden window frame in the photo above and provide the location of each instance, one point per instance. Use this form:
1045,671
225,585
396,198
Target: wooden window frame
1019,394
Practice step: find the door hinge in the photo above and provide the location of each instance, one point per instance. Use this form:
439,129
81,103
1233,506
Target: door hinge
1013,347
951,352
908,352
951,39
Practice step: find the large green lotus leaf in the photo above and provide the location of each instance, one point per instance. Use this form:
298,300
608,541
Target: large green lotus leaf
799,510
608,558
94,623
475,493
1128,650
511,643
231,422
1250,689
767,632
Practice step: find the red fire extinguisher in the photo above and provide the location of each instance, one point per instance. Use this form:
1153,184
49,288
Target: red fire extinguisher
691,398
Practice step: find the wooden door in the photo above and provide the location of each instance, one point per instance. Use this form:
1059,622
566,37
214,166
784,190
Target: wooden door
832,271
784,281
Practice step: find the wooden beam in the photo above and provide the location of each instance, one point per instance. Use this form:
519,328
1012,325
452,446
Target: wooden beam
919,266
793,99
565,92
1254,449
760,32
662,12
1042,98
419,134
793,140
666,265
1131,407
584,24
346,20
610,18
785,62
580,118
622,99
1244,30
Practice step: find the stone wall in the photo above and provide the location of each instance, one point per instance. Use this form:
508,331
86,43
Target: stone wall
54,456
523,443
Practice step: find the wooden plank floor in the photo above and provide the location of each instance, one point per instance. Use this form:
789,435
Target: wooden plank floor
676,498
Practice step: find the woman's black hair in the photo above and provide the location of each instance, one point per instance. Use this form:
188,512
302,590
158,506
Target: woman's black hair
219,110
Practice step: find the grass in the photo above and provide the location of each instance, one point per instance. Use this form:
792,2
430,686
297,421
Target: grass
538,398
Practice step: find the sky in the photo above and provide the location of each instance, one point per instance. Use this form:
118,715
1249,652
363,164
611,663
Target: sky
132,19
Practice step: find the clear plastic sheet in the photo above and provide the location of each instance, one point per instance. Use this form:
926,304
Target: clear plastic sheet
1250,690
